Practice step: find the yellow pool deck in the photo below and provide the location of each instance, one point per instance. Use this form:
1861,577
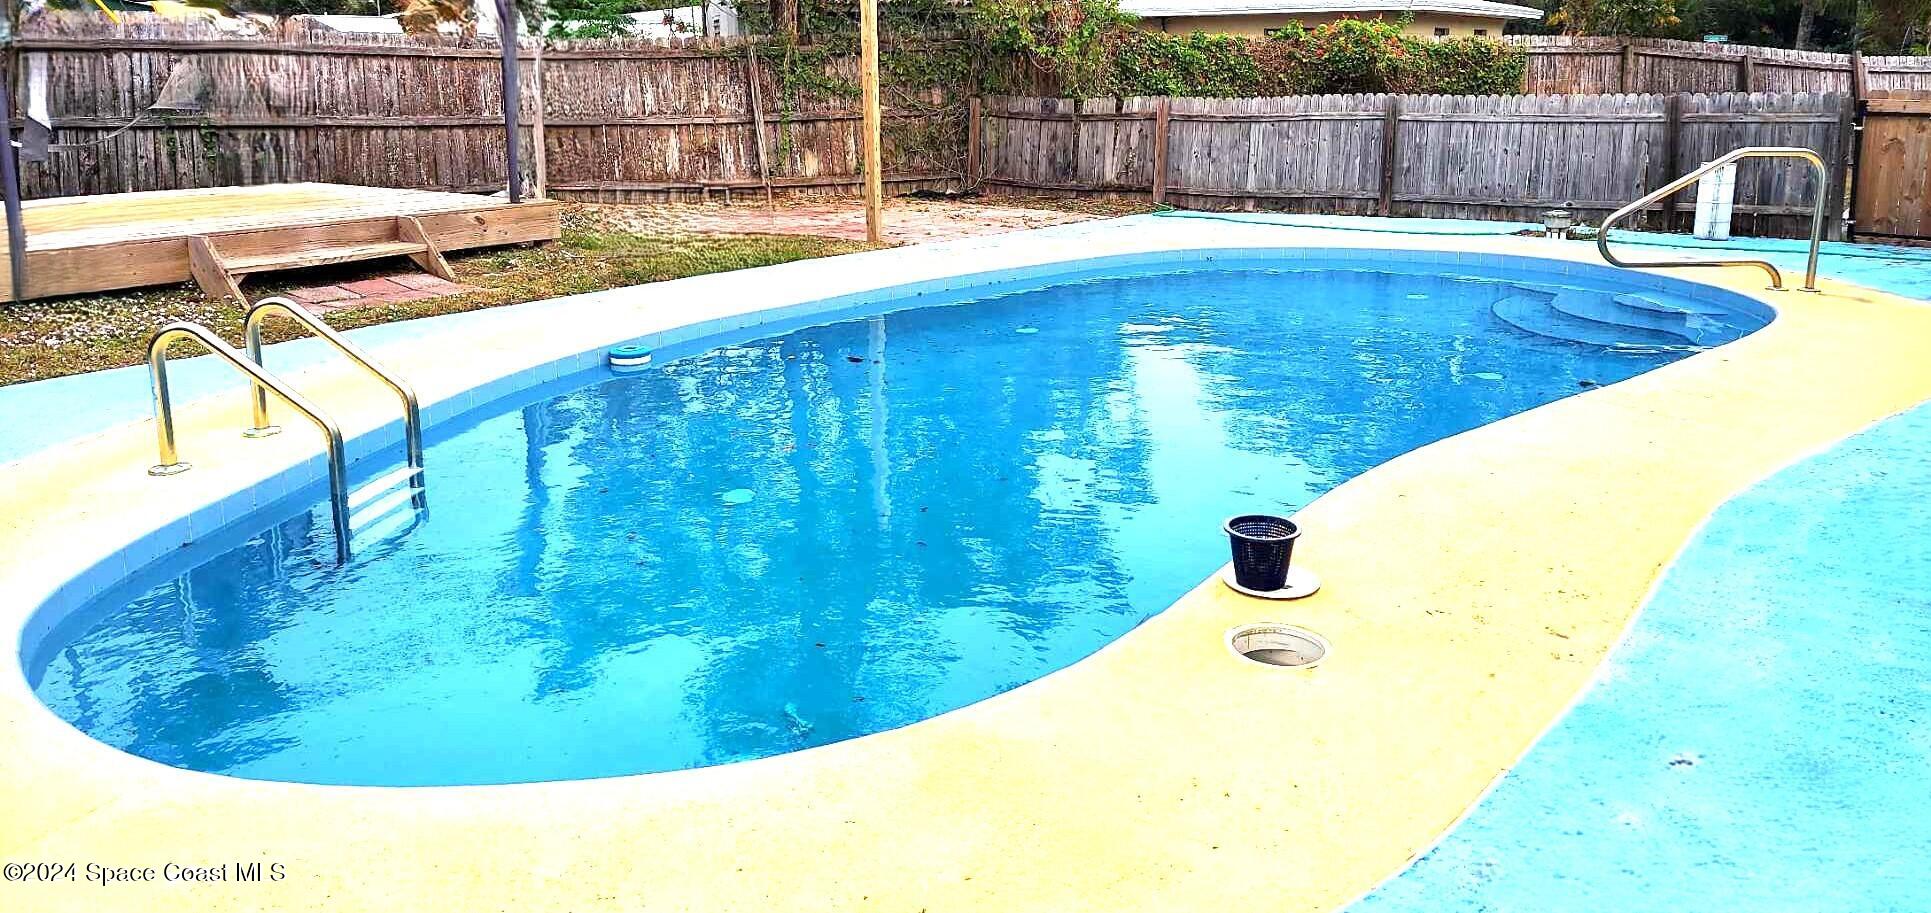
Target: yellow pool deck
1471,587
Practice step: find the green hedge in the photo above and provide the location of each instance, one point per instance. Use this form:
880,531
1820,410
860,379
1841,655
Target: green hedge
1091,49
1345,56
1088,48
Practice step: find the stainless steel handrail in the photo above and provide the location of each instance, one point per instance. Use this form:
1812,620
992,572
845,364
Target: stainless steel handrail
411,412
1747,152
171,462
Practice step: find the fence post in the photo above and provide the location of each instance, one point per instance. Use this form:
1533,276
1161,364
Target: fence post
975,114
756,93
1838,174
1860,77
1626,74
1162,115
1672,149
1390,129
1746,72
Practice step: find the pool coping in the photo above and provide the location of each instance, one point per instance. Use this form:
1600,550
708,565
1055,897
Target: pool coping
72,797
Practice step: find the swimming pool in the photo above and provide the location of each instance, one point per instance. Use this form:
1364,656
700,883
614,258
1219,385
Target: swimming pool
772,544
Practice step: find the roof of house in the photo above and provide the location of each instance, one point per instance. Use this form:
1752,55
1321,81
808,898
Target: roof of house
1158,8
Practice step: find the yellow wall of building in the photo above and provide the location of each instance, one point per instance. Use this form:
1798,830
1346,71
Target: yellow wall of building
1424,24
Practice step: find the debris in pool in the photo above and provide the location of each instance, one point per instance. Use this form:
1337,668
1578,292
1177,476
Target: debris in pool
1027,331
855,359
1586,382
738,496
1486,375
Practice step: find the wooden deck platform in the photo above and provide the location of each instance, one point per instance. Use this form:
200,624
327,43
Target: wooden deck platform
218,236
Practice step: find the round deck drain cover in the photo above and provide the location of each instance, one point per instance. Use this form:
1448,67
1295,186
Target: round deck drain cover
1274,644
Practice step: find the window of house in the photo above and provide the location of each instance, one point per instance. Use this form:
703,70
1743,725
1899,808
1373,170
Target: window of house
1481,33
1441,32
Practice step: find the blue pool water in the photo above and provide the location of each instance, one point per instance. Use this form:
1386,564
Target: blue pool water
787,542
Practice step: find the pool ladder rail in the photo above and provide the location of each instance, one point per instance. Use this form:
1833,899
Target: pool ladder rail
349,511
1670,190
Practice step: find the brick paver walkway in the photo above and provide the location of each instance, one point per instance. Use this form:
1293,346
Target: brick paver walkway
380,290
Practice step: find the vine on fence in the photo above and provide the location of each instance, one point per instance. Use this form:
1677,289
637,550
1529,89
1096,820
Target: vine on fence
1090,48
936,53
925,68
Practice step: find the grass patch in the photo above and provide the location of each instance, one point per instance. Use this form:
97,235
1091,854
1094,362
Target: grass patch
59,336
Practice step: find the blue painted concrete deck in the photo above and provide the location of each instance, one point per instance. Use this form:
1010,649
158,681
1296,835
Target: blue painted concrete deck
1762,740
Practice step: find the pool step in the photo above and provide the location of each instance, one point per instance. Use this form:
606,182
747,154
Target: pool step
1537,316
383,498
1646,303
381,485
1690,323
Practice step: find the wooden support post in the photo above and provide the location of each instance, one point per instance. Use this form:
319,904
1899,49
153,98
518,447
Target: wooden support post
1162,124
1746,72
10,186
209,272
757,117
1860,77
975,122
1672,150
1626,74
1837,170
868,90
539,155
1390,131
409,228
512,98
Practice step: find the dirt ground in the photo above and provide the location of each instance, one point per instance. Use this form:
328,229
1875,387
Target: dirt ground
907,221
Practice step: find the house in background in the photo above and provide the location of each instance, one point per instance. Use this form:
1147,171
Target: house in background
1431,18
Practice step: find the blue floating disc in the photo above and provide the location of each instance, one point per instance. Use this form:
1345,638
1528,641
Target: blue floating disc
629,356
738,496
1487,375
1027,330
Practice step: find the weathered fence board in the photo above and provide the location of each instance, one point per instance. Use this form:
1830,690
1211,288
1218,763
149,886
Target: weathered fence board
1565,65
624,121
1507,157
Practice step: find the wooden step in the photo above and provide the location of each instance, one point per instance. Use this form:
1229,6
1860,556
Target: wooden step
322,256
219,263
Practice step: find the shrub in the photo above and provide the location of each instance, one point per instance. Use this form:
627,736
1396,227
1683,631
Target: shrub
1340,57
1153,63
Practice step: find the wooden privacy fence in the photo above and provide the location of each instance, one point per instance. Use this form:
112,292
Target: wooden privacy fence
1563,65
623,120
1497,157
157,105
